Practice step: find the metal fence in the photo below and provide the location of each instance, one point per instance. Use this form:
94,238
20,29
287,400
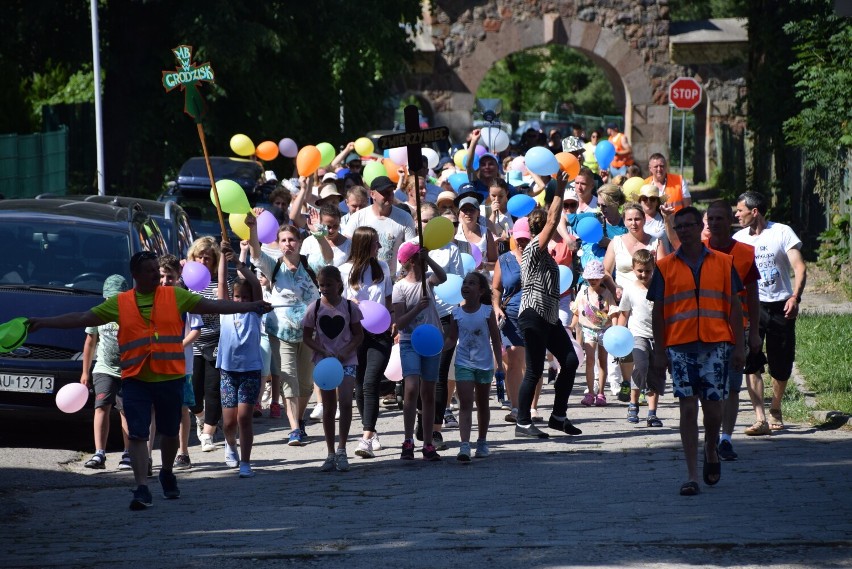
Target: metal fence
33,164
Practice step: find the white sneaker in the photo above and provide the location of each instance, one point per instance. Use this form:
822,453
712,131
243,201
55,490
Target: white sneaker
207,443
231,460
365,449
316,414
374,441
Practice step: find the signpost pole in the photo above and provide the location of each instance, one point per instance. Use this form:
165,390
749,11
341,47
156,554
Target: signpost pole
682,134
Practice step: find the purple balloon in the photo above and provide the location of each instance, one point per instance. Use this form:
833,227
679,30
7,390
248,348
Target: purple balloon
476,254
267,227
287,147
195,276
376,318
480,150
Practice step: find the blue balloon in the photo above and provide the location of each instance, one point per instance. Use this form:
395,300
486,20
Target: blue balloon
566,277
427,340
450,290
589,229
386,153
469,264
618,341
541,161
604,153
328,373
456,180
520,205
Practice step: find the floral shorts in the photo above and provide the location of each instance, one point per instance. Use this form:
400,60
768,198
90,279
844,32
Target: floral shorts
702,373
239,387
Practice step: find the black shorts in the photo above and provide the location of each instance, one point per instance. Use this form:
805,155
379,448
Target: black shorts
780,335
107,390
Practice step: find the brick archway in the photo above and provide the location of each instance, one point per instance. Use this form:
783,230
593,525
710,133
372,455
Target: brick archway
627,40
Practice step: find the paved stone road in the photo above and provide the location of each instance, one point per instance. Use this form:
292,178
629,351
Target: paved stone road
609,497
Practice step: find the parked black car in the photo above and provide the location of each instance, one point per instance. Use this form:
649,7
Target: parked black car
191,190
57,254
171,218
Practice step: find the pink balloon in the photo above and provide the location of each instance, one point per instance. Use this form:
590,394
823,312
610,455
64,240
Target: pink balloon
72,397
394,370
480,150
288,148
399,156
476,254
518,164
267,227
376,318
195,276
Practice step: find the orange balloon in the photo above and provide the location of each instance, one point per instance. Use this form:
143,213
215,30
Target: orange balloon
391,168
569,163
267,150
308,160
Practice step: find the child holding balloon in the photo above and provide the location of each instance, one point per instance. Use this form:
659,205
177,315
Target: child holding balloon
475,356
595,310
414,307
333,330
239,361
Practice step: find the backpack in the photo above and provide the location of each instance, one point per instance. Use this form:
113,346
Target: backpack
303,260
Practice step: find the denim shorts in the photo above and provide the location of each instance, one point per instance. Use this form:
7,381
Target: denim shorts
701,373
166,397
482,376
239,387
510,334
415,364
188,393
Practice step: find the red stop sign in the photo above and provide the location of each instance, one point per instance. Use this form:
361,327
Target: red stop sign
685,93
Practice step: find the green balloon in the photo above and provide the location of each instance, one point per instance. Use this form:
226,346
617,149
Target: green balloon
372,171
232,198
326,153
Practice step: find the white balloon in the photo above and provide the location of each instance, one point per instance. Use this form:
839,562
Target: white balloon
494,138
431,157
399,156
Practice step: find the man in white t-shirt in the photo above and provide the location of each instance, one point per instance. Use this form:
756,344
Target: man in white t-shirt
393,225
777,252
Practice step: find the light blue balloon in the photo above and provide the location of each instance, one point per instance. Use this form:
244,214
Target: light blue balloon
520,205
468,262
328,373
566,277
541,161
386,153
604,152
618,341
427,340
589,230
450,290
456,180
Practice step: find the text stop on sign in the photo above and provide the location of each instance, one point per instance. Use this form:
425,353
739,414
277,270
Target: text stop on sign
685,93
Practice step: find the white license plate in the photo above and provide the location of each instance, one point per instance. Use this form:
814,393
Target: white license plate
26,383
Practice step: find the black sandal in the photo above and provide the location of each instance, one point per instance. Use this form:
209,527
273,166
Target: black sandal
690,489
98,461
712,471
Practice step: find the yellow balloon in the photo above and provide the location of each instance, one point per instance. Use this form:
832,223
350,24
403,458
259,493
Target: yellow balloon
364,146
632,187
459,158
238,225
437,233
242,145
232,197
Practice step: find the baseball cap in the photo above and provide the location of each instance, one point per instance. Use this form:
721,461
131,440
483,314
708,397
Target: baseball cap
521,229
330,177
329,190
611,125
445,196
649,191
381,183
571,196
406,251
572,144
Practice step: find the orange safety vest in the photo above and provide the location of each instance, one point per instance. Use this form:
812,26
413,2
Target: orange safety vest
617,140
743,255
697,314
158,341
673,190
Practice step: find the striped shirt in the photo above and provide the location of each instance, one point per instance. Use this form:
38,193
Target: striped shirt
540,282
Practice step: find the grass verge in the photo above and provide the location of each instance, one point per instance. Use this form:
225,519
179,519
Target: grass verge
825,360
